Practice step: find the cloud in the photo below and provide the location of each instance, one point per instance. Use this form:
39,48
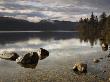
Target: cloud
36,10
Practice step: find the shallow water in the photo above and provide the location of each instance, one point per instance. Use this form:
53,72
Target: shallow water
65,50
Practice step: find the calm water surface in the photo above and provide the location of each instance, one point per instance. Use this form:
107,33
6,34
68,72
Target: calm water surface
65,49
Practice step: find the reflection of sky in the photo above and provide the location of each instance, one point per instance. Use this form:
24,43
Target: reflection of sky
33,44
35,10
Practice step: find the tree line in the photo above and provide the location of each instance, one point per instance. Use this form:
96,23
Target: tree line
94,28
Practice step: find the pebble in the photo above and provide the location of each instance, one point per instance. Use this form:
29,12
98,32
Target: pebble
96,60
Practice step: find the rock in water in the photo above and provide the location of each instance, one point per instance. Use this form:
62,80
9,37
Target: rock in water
104,46
31,59
80,67
9,55
96,60
42,53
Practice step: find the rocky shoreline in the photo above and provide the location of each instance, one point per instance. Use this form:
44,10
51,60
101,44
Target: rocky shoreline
29,60
61,70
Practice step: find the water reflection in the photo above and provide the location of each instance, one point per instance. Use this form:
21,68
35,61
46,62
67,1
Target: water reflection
23,36
38,39
65,49
93,36
48,40
52,41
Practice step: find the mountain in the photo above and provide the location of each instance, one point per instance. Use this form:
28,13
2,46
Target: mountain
12,24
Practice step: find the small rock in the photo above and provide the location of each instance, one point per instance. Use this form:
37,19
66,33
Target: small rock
9,55
108,56
96,60
95,76
100,58
104,46
80,67
104,71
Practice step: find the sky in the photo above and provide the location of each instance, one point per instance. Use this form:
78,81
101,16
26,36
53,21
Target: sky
64,10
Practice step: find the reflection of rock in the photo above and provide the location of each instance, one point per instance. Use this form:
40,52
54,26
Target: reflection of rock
96,60
104,46
80,68
9,55
28,65
30,60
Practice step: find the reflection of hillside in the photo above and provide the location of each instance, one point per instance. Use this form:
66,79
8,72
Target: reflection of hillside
15,37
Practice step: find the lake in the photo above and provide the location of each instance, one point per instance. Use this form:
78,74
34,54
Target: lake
65,50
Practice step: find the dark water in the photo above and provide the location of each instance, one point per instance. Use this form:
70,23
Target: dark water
11,37
65,50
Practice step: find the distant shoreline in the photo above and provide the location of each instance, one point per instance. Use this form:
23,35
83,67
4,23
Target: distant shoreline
33,31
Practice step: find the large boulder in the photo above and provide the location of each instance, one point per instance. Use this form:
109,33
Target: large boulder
80,67
9,55
30,60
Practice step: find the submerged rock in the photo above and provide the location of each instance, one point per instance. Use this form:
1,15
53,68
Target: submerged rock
30,60
96,60
80,67
9,55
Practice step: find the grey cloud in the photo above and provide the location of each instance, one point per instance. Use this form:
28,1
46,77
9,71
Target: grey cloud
55,9
38,14
100,4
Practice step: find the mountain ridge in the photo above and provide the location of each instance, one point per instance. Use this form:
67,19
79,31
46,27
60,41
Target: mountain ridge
12,24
